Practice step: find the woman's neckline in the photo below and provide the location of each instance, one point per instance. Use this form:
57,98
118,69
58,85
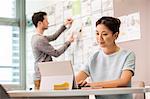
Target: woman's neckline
113,53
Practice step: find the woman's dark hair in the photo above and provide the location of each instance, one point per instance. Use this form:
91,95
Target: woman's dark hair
112,23
38,16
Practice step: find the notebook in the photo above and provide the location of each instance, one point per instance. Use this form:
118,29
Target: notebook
53,73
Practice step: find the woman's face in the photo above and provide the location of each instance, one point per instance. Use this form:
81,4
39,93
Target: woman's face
105,37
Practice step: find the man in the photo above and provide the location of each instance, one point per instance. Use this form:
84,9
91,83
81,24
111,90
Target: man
42,50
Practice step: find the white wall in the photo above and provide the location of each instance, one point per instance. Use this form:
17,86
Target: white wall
36,5
141,46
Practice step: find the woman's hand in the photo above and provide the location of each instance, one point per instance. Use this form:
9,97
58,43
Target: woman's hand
94,85
82,83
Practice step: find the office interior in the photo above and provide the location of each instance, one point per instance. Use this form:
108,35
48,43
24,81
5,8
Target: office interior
16,66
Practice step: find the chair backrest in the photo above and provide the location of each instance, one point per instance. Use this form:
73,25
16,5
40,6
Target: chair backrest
138,84
3,93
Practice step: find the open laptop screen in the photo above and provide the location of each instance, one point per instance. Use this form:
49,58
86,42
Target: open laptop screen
55,73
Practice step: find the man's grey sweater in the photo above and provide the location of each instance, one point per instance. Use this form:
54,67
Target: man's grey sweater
43,51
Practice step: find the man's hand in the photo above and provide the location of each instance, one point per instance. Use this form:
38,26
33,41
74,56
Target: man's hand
68,22
71,38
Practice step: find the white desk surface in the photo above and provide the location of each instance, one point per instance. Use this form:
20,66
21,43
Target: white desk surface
104,91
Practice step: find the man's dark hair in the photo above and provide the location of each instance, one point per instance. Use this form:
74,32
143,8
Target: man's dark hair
110,22
38,16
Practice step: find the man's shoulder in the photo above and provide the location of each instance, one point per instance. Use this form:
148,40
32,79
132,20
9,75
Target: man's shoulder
36,37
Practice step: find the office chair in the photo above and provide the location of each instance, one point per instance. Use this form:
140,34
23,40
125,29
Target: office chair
138,84
3,93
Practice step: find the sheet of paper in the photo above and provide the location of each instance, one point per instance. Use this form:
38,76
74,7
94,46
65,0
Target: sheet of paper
48,82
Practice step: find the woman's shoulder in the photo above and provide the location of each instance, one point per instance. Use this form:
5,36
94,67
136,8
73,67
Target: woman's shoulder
94,54
127,52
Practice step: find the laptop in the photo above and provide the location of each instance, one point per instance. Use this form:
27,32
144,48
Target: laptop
54,73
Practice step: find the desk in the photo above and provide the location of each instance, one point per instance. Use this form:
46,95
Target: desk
73,94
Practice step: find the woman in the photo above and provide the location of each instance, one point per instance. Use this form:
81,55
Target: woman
111,66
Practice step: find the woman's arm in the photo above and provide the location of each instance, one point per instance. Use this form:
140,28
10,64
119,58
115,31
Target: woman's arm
81,76
122,81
